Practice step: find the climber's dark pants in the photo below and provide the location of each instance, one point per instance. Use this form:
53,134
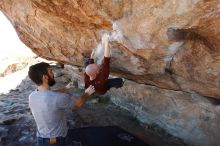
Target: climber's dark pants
85,62
114,83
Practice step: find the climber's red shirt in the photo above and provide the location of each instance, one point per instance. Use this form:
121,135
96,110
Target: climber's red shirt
100,83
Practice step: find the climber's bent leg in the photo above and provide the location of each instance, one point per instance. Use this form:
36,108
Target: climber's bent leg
115,83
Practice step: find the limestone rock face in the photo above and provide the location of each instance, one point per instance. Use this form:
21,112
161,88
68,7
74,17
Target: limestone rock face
171,44
188,116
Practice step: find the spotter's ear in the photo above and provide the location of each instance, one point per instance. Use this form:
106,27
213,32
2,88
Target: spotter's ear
45,77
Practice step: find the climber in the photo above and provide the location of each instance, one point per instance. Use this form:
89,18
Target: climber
98,77
48,107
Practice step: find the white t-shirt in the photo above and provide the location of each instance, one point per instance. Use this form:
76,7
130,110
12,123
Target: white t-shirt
48,108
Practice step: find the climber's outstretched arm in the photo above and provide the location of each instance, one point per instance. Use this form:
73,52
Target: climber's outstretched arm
105,41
